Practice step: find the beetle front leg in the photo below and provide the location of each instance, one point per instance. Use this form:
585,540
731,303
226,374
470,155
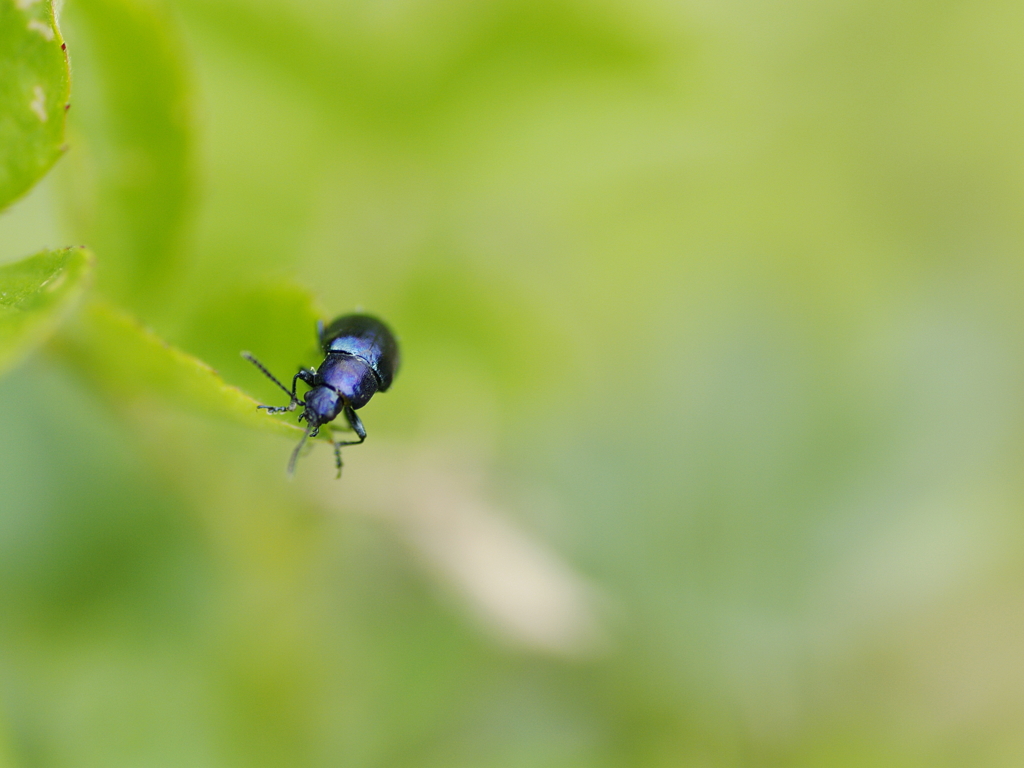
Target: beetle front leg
304,375
337,453
307,377
357,426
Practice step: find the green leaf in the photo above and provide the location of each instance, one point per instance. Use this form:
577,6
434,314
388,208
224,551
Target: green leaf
275,322
129,179
132,366
35,294
34,89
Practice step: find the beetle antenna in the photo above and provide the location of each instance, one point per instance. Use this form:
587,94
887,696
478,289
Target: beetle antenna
298,448
248,356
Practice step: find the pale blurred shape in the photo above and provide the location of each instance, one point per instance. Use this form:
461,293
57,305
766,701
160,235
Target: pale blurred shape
512,583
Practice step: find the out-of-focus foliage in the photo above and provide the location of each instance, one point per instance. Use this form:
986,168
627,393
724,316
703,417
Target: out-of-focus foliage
128,194
132,169
33,95
706,445
35,294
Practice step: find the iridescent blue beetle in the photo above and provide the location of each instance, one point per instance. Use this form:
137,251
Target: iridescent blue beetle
361,359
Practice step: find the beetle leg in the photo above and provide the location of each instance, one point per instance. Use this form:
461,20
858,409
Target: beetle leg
337,453
304,375
357,427
356,424
278,408
320,332
307,377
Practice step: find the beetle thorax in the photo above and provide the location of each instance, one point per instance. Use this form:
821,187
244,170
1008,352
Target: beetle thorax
350,377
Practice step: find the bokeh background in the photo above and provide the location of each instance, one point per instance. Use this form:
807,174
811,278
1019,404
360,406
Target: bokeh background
707,445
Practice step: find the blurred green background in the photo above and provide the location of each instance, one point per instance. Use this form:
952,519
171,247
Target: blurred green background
707,446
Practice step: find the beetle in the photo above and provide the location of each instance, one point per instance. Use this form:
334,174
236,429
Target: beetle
360,359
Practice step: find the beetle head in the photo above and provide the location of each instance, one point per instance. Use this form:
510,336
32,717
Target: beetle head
322,404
